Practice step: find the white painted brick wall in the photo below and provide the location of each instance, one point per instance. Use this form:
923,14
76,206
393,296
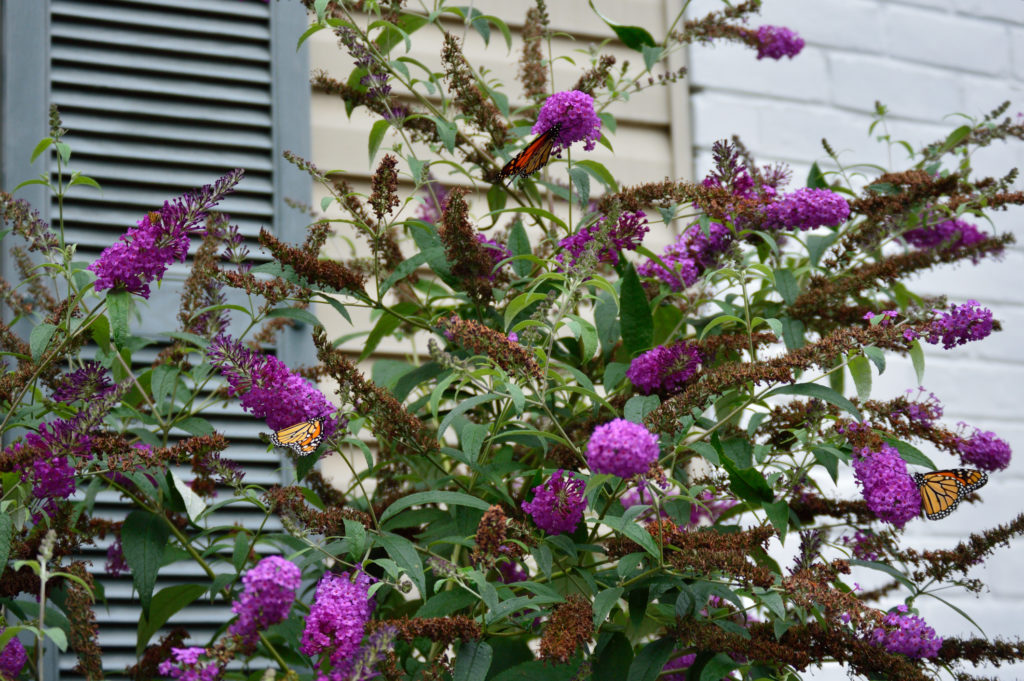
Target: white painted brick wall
925,59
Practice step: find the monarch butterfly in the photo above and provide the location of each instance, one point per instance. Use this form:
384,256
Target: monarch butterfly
941,491
533,157
302,437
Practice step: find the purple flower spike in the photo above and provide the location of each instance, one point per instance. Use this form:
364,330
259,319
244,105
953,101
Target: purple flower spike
889,490
268,388
12,658
951,234
185,664
337,619
160,238
622,448
497,251
664,369
89,382
626,234
575,111
558,504
693,252
906,634
985,450
963,323
807,209
776,42
267,598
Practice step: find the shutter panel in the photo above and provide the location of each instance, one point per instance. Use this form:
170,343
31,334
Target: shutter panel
160,97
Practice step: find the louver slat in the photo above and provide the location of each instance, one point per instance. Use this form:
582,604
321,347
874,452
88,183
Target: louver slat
162,96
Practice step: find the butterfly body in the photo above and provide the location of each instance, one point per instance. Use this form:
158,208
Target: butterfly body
533,157
302,438
942,491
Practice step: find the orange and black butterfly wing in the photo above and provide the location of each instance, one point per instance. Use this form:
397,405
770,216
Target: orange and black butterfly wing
533,157
970,479
303,438
940,493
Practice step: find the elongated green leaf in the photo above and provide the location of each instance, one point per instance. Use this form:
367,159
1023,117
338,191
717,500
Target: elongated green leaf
917,357
143,537
786,285
6,532
717,668
778,515
887,569
384,326
403,552
519,244
435,497
194,504
822,393
747,483
376,137
473,436
473,661
816,178
634,532
910,453
651,659
119,306
635,313
633,37
537,670
463,407
165,603
445,603
296,313
603,604
860,369
520,303
39,338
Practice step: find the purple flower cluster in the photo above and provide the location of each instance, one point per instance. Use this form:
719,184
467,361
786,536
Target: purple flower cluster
665,369
951,234
863,546
434,202
511,572
498,251
675,669
574,110
185,664
12,658
89,382
50,454
558,504
336,620
906,634
693,252
710,509
268,388
267,597
378,645
625,234
776,42
806,209
622,448
888,489
963,323
145,251
985,450
923,412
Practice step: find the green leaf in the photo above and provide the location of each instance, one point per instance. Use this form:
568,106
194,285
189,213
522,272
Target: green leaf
473,661
639,406
786,285
635,313
860,369
887,569
57,635
718,321
520,303
818,244
435,497
828,460
119,306
599,172
778,515
816,178
910,453
6,532
519,244
877,357
603,604
652,55
143,538
955,138
408,266
634,532
651,659
463,407
165,603
747,483
403,552
195,425
632,37
917,357
537,670
194,504
706,451
39,338
821,392
376,137
473,436
717,668
298,314
445,131
445,603
581,181
100,330
614,660
384,327
43,145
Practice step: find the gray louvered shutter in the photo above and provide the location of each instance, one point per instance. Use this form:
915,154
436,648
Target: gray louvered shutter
162,96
